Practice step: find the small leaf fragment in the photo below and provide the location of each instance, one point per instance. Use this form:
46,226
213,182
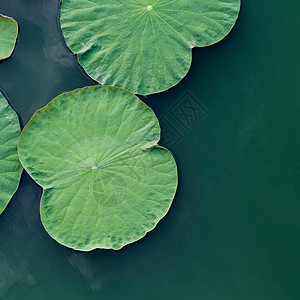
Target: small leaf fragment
10,167
8,36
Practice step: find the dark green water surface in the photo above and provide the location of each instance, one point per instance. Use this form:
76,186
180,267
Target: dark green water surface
233,232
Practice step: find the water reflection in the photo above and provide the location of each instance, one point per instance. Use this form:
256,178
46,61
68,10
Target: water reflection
42,67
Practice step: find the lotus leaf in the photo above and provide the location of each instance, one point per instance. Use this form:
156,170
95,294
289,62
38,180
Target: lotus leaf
10,167
106,181
8,36
144,46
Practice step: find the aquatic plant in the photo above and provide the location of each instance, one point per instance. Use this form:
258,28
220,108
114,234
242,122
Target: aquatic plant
144,46
8,36
106,181
10,167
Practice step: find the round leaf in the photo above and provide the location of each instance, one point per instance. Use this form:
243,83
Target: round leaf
10,167
106,181
144,46
8,36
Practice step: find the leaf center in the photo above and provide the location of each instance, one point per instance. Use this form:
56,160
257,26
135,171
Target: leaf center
149,7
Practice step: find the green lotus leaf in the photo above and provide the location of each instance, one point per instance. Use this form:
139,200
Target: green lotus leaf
106,181
10,167
8,36
144,46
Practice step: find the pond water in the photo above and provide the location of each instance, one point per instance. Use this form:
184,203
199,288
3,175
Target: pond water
233,127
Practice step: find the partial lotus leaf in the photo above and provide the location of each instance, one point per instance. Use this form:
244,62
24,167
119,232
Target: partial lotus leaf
106,181
10,167
144,46
8,36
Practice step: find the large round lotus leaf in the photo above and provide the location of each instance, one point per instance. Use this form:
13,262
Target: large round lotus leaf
10,167
144,46
8,36
106,181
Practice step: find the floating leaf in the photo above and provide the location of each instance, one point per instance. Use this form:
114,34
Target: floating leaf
144,46
106,181
10,167
8,36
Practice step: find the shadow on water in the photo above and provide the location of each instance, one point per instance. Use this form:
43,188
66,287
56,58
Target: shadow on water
42,67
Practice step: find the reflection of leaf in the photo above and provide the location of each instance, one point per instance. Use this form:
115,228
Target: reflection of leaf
143,46
106,181
13,272
10,167
8,36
